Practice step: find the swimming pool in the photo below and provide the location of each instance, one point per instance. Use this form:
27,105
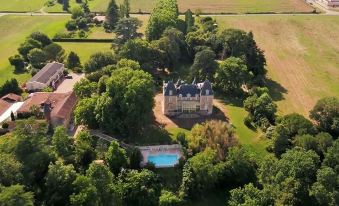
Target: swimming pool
163,160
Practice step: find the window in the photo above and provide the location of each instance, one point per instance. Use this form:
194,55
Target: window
188,95
207,92
180,95
170,92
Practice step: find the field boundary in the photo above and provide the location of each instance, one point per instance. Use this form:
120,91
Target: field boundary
82,40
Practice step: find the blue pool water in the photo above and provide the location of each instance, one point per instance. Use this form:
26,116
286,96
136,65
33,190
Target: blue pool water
163,160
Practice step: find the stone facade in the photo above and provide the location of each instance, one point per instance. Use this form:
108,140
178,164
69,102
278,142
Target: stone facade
181,98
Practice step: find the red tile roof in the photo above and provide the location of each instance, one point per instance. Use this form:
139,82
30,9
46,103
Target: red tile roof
62,104
12,97
4,105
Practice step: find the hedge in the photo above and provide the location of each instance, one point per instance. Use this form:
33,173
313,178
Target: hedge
81,40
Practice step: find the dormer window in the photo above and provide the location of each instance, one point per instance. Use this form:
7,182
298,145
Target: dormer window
207,92
180,95
170,92
188,95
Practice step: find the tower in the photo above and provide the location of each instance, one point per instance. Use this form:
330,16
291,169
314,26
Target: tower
206,98
169,105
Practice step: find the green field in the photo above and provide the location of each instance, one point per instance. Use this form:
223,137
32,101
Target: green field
21,5
13,36
215,6
302,55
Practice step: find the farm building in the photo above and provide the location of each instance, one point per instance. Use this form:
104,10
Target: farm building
181,98
56,108
47,76
8,104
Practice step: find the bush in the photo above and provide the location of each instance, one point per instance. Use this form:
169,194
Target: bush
18,62
248,121
5,125
71,25
82,34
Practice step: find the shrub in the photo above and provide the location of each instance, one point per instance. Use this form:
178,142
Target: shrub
71,25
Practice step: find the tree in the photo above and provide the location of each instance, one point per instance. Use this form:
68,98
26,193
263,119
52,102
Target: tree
238,43
164,15
289,178
141,51
296,124
129,99
10,170
84,112
85,89
54,52
116,157
189,19
200,173
231,75
99,60
18,62
167,198
128,63
204,65
77,12
15,195
126,29
27,46
84,149
135,158
325,189
37,58
250,195
112,15
12,117
140,188
308,142
101,88
71,25
332,156
41,37
261,107
59,180
102,178
10,86
326,114
63,145
213,134
65,5
73,61
85,194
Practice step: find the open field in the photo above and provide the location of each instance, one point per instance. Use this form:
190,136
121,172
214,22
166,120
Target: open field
215,6
13,36
21,5
302,56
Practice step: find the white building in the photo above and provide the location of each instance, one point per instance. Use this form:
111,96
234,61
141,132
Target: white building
47,76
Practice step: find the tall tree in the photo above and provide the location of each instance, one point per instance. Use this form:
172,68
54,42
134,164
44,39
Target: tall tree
204,65
102,178
73,60
164,15
15,195
62,144
189,19
10,170
59,180
126,29
99,60
85,194
129,99
84,149
231,75
116,157
326,114
112,15
65,5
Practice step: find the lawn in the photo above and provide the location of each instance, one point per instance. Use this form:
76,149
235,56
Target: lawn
302,55
216,6
13,36
21,5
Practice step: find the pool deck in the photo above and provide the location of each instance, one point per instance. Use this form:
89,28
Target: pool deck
160,149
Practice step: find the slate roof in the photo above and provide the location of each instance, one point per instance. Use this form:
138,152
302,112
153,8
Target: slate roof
44,75
181,88
186,89
170,86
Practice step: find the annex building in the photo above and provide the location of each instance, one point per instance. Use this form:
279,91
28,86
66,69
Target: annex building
182,98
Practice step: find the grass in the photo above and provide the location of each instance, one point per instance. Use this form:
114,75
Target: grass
13,36
21,5
302,55
216,6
